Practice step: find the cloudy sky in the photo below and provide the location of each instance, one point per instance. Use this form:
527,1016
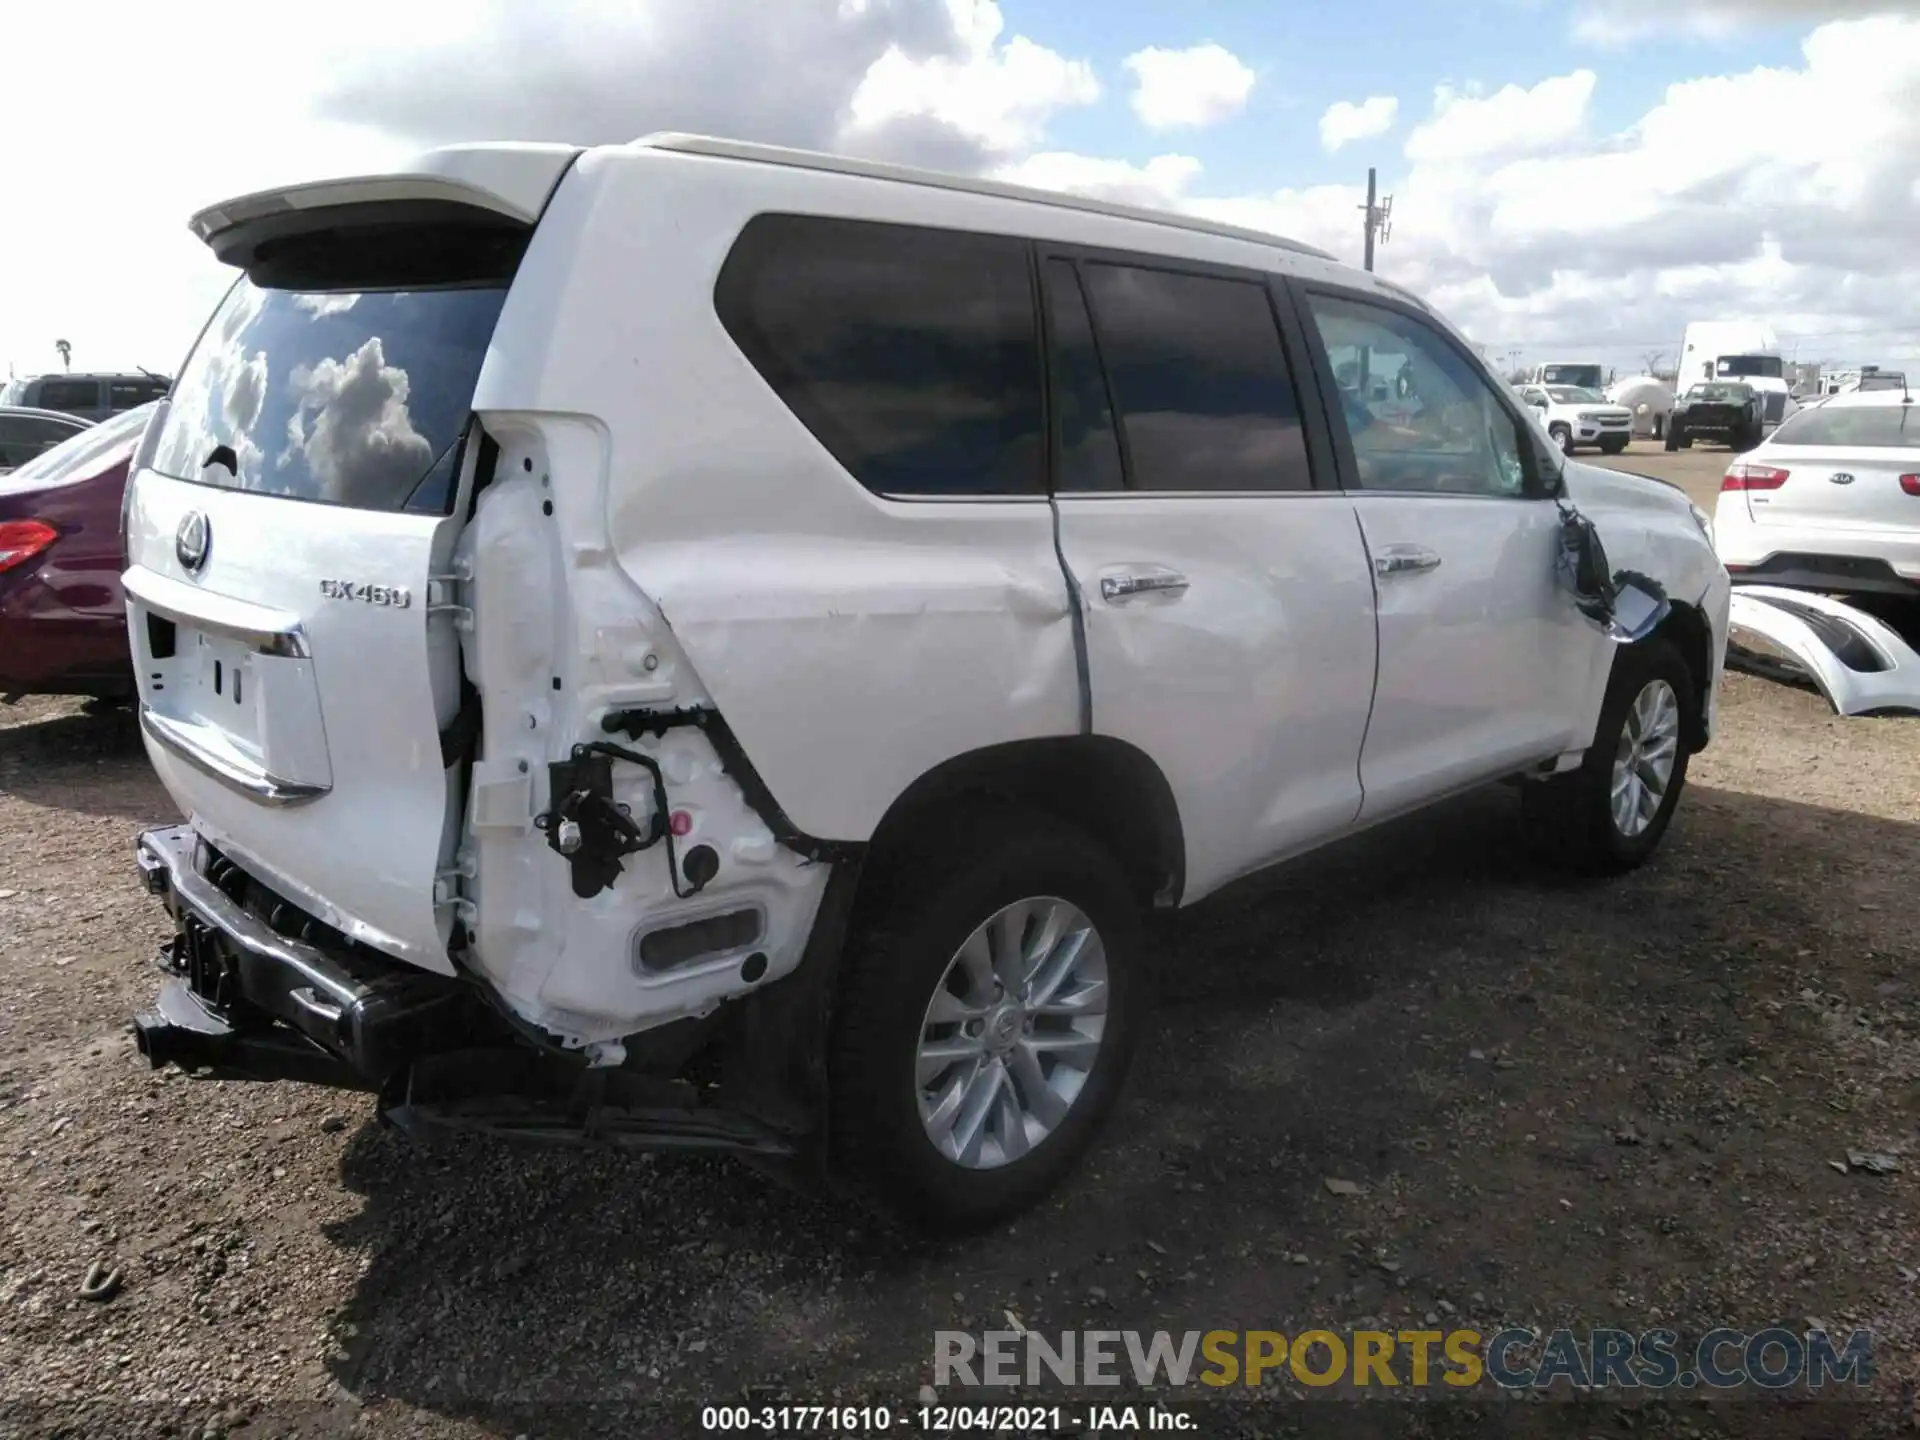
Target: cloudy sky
1570,177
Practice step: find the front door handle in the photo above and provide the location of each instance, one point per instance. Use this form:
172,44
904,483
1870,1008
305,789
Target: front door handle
1404,560
1117,587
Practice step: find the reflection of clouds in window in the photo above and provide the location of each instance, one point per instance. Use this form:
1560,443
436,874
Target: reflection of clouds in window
240,403
351,422
321,306
218,400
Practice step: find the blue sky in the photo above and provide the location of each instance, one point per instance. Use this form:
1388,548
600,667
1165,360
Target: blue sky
1606,171
1310,56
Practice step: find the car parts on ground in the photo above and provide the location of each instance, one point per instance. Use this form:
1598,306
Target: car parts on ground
1857,661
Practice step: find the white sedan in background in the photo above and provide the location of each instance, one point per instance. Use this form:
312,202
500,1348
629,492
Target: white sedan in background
1830,501
1576,416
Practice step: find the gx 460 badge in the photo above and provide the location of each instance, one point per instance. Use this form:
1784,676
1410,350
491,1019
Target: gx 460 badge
396,597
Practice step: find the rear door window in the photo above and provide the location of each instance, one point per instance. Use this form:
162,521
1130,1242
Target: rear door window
1198,375
123,395
911,354
26,437
75,452
356,399
78,397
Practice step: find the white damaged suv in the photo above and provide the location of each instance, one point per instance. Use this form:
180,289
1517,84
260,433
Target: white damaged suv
692,644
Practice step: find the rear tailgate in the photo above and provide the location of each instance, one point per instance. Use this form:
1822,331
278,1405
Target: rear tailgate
290,528
1844,469
1845,489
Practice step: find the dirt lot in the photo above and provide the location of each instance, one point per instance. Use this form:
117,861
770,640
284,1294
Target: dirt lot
1564,1103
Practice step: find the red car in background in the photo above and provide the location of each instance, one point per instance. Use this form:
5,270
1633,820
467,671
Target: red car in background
63,624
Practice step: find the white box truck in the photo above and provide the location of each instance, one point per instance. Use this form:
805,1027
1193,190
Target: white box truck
1738,350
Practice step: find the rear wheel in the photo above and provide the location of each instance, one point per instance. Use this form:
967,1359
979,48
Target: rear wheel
1609,815
987,1020
1563,437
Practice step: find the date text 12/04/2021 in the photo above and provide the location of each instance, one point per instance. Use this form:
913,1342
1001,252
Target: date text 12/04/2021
963,1418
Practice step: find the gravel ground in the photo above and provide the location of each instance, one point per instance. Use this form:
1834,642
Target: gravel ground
1562,1104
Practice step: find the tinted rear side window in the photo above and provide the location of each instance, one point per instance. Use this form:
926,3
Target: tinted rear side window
78,452
1089,453
1870,426
131,394
26,437
1205,397
911,354
79,396
343,398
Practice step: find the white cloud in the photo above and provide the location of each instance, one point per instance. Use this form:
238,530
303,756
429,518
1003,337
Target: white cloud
997,96
1732,195
321,306
1526,231
1345,122
1618,22
1512,120
351,420
1186,88
121,278
1158,183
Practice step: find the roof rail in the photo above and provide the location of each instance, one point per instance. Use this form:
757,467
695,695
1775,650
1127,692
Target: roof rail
942,180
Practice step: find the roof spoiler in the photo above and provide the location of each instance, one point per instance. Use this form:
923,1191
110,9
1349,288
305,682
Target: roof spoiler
498,185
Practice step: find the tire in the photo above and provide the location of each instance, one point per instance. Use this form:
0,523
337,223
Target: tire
1613,446
1686,442
1673,439
1563,437
1570,820
931,901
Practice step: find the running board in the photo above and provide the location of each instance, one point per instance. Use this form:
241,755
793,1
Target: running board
1859,663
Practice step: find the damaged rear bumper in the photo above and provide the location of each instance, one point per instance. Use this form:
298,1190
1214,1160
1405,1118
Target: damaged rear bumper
245,998
245,1001
1858,662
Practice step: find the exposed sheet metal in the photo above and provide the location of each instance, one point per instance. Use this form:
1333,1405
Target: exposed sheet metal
1859,663
1627,605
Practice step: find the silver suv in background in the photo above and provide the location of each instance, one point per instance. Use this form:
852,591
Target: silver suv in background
92,397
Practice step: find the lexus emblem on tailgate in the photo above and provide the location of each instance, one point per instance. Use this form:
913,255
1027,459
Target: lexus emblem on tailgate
192,541
1841,477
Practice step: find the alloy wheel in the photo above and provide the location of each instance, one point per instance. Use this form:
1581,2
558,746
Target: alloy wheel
1644,759
1012,1032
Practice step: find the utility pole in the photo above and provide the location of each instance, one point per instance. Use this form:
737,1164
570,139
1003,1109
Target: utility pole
1379,216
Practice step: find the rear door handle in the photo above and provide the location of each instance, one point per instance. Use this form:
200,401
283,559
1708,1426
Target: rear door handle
1117,587
1404,560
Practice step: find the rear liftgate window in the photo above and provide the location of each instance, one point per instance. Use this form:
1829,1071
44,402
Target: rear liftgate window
911,354
354,398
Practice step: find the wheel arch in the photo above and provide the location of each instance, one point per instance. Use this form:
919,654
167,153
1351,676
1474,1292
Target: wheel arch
1107,787
1686,629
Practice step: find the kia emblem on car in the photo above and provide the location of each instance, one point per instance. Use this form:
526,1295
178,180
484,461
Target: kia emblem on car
192,541
1841,478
